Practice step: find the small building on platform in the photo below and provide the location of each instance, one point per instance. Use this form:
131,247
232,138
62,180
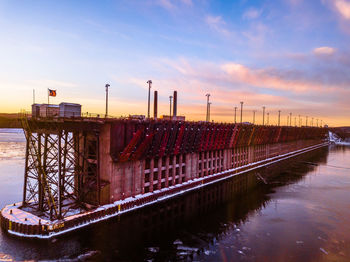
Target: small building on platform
69,110
47,110
35,110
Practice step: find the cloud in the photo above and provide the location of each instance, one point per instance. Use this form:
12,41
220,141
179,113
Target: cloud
324,50
294,89
217,24
343,8
272,79
257,33
172,5
167,4
251,13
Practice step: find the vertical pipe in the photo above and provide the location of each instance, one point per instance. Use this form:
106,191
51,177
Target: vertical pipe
170,99
155,109
149,82
207,116
107,85
175,104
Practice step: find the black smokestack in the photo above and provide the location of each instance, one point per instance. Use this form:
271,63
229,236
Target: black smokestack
175,104
155,104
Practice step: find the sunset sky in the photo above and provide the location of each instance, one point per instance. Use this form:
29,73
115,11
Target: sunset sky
288,55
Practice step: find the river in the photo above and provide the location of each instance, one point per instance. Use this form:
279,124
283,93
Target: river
301,214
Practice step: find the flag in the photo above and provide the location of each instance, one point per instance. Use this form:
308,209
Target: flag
52,92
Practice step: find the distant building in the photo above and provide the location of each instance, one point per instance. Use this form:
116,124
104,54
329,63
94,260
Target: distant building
47,110
174,118
69,110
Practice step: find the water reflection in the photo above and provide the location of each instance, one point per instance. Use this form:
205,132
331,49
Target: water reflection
300,214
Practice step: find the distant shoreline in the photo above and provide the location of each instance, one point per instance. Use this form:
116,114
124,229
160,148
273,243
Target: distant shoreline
9,121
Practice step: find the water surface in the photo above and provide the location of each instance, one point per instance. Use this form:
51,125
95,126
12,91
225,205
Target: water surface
302,214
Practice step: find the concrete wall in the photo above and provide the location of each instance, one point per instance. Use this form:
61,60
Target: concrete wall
144,176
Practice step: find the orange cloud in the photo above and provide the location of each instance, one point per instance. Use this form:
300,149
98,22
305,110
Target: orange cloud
324,50
269,79
343,8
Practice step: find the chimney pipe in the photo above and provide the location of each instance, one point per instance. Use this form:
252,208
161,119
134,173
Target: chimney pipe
175,104
155,104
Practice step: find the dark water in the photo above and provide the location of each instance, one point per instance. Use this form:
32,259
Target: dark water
302,214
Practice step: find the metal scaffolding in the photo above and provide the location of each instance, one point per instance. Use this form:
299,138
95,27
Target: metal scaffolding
61,169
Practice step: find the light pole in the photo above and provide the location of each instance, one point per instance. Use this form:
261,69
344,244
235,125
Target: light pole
312,121
254,117
235,114
170,98
241,112
107,85
267,122
263,115
290,119
299,121
295,121
279,117
317,122
207,118
149,82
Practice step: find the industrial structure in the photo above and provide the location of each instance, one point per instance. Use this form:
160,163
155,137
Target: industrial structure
80,171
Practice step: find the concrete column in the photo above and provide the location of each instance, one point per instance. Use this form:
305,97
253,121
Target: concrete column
213,164
225,155
174,170
201,164
167,171
234,157
195,173
207,163
189,166
215,160
159,173
151,175
142,163
180,169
